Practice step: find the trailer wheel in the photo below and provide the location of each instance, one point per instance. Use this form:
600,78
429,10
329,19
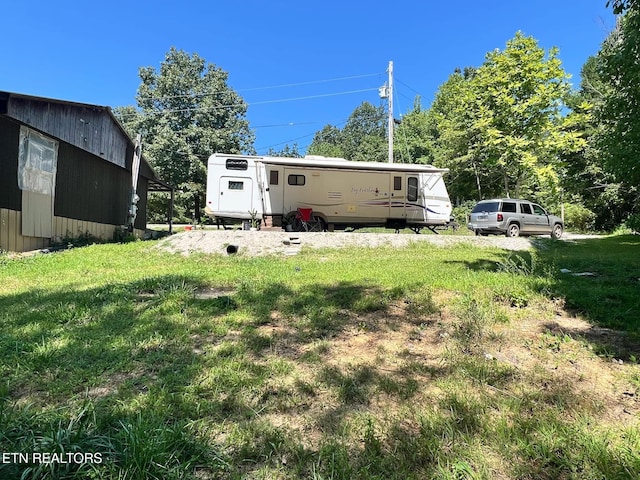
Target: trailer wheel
316,224
297,225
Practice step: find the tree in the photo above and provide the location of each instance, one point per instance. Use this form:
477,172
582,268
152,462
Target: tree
612,80
287,151
454,134
619,114
326,142
587,184
363,137
413,137
186,111
620,6
502,124
520,93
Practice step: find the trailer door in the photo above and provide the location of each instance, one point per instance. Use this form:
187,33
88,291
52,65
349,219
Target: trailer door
415,207
274,191
236,195
397,200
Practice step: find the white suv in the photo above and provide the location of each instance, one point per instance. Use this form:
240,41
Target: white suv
513,217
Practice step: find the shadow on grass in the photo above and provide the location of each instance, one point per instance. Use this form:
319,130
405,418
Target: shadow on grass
597,277
180,383
154,355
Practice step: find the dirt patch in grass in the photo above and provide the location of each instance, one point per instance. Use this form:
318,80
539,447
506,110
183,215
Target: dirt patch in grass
388,360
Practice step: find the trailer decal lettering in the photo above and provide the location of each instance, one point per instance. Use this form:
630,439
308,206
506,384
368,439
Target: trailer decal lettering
361,190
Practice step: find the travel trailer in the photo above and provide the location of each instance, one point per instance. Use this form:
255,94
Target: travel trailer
321,193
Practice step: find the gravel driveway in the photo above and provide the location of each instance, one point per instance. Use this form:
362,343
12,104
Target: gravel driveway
249,243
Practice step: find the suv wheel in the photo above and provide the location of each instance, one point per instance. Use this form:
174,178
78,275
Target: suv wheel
556,233
513,230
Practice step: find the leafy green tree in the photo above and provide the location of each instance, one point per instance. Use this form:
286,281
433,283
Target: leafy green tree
619,114
610,83
186,111
327,142
363,137
413,137
455,137
287,151
520,94
620,6
501,127
588,186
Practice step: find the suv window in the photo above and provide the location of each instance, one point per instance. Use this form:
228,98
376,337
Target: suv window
486,207
538,210
525,208
509,207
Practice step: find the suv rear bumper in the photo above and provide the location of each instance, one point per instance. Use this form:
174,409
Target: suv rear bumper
480,229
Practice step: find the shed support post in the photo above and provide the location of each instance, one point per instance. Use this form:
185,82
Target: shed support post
171,212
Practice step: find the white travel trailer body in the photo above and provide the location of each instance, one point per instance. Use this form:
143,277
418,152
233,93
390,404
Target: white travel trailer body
340,193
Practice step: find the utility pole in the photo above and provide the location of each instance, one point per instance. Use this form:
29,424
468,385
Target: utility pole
390,95
386,91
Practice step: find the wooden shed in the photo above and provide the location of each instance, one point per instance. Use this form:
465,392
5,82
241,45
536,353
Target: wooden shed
65,171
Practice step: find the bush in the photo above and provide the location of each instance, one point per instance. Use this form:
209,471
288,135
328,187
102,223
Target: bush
461,212
633,222
577,217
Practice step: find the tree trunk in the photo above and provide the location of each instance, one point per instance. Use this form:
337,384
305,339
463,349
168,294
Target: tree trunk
506,184
475,170
196,207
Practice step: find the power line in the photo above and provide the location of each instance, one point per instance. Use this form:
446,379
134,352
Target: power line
287,85
264,102
286,142
270,87
310,97
288,124
410,88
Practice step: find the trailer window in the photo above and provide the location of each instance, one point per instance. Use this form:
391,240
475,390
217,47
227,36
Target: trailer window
237,164
273,177
296,180
397,183
236,185
412,189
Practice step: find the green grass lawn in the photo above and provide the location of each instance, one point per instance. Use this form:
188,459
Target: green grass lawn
421,362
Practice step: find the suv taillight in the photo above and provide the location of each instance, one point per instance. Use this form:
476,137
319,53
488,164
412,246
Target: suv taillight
500,217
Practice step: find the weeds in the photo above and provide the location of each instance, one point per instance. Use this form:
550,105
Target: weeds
475,317
82,239
518,264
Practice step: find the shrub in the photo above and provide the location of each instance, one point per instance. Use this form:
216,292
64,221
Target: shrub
461,212
633,222
578,217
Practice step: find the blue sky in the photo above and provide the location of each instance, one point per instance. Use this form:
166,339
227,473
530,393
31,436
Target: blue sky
300,65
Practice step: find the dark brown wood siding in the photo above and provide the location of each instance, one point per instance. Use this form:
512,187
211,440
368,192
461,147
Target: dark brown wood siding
87,127
88,188
10,194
